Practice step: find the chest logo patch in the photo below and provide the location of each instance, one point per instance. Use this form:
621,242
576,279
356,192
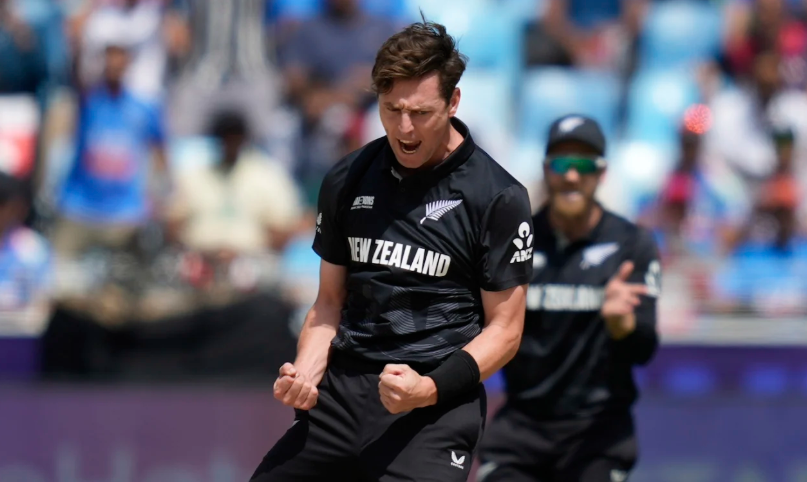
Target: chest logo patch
363,202
435,210
596,255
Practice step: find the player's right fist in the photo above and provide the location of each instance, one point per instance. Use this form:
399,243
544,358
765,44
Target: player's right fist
294,389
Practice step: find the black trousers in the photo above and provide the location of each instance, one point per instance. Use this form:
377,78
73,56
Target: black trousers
350,436
519,448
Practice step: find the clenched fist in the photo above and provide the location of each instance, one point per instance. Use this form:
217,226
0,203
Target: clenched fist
402,389
294,389
621,298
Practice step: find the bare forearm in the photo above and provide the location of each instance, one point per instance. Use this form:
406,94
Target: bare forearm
314,344
494,347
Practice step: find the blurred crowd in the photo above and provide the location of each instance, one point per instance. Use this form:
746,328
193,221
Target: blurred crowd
159,156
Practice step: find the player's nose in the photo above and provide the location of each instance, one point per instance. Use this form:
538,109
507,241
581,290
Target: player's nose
572,176
405,126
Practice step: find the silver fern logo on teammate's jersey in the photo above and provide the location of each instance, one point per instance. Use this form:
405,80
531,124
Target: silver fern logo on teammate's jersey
435,210
595,255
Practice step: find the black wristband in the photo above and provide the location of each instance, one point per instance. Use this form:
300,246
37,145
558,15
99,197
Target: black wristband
457,375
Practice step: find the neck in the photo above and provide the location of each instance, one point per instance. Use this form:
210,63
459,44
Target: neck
577,227
114,87
451,141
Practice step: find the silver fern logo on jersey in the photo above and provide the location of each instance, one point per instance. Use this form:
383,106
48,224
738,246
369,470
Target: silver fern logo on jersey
435,210
597,254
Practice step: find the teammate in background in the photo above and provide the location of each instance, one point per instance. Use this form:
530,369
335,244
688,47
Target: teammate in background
426,247
591,316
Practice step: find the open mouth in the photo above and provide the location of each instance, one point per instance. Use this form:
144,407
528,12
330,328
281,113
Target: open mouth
409,147
571,195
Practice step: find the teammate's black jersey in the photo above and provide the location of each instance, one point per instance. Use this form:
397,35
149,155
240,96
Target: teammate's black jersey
419,248
568,366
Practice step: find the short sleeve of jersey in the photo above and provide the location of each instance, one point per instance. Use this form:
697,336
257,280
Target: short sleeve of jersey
506,241
329,243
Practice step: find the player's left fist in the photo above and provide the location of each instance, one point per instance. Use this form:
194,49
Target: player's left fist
621,298
403,389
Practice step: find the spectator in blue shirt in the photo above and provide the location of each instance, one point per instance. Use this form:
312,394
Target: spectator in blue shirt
25,265
105,197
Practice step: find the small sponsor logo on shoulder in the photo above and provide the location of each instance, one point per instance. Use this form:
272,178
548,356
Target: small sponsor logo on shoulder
319,222
523,244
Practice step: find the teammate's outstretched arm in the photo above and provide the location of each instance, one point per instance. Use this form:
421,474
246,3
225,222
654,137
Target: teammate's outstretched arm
501,336
296,385
629,308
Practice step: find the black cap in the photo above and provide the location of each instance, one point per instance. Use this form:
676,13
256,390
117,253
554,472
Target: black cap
577,128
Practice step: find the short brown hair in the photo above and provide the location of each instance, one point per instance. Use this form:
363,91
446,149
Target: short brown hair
417,50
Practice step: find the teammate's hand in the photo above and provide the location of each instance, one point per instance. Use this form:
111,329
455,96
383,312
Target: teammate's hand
403,389
621,298
295,389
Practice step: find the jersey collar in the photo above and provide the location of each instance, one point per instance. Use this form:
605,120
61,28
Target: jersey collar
452,162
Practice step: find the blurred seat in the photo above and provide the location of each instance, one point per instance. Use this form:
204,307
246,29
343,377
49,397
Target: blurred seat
444,10
489,36
657,100
766,381
677,33
552,92
525,10
395,9
763,279
305,9
690,380
487,108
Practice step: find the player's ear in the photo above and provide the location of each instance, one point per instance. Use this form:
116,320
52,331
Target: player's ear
454,102
601,174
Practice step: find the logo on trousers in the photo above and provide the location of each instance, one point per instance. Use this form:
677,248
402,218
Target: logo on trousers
457,461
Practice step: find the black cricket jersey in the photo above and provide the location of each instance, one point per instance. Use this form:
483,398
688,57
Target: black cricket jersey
420,248
568,366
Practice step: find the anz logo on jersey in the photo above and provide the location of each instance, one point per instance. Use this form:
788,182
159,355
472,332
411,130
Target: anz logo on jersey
523,244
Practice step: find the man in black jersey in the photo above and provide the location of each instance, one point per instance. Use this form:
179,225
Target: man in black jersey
426,247
591,316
